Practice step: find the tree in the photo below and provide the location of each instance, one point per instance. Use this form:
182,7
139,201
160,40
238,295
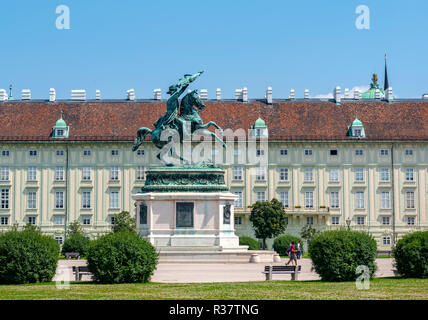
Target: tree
123,222
308,233
74,228
268,219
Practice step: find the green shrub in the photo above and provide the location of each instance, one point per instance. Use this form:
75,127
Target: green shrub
27,257
252,244
121,257
76,243
411,255
336,254
280,244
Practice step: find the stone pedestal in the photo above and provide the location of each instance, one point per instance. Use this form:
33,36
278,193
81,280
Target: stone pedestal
187,214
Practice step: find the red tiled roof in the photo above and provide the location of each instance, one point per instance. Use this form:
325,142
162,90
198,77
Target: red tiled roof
298,120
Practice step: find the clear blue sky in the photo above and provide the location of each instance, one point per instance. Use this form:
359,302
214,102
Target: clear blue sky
117,45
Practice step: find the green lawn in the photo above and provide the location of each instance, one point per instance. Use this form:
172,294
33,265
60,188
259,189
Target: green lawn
386,288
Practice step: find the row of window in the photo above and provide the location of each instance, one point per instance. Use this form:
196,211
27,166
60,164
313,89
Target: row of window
60,153
60,173
384,174
58,220
385,199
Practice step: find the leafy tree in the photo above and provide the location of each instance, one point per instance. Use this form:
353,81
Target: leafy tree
123,222
268,219
307,233
75,228
31,228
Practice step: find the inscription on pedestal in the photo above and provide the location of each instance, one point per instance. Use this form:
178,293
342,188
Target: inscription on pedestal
184,214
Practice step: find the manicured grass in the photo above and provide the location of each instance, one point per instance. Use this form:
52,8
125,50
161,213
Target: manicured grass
384,288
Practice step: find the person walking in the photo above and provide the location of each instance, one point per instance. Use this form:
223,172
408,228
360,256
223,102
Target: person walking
293,252
299,250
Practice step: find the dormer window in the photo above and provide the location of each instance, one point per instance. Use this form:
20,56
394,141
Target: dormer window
60,130
356,132
60,133
356,129
259,129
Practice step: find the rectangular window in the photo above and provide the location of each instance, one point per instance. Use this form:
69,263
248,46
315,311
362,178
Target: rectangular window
59,200
59,173
283,197
384,152
86,199
386,240
112,219
33,153
140,152
4,221
359,174
333,152
32,220
86,173
60,153
309,199
409,152
361,220
283,152
385,221
410,200
359,152
114,199
140,173
114,173
59,220
334,175
309,220
359,200
86,152
357,132
260,152
334,199
309,175
4,173
410,221
238,202
5,153
261,173
283,174
86,220
238,220
114,152
4,199
237,173
308,152
261,196
32,200
384,174
32,174
385,202
335,220
59,240
410,174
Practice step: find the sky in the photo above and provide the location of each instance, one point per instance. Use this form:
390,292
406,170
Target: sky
114,46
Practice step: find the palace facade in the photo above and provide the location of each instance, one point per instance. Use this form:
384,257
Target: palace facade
357,163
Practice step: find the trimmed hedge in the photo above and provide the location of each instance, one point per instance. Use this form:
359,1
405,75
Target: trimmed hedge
336,254
27,257
281,243
411,255
252,244
121,257
76,243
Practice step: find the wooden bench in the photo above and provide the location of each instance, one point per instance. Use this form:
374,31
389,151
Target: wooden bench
293,270
69,255
79,271
384,252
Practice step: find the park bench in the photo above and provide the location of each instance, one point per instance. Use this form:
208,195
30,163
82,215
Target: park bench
383,252
293,270
69,255
79,271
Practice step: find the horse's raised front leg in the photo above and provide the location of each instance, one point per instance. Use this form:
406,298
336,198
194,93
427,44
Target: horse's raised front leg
209,124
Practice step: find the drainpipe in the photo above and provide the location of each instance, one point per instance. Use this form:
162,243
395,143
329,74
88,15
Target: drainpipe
67,179
393,195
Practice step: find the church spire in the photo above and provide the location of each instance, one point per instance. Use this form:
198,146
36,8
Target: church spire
386,86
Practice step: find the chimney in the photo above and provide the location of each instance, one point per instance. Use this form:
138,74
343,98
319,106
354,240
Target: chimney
357,94
26,94
306,95
3,95
292,95
52,95
389,96
337,95
218,94
157,93
130,95
269,95
425,96
203,94
238,94
245,94
377,94
347,93
78,95
97,95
